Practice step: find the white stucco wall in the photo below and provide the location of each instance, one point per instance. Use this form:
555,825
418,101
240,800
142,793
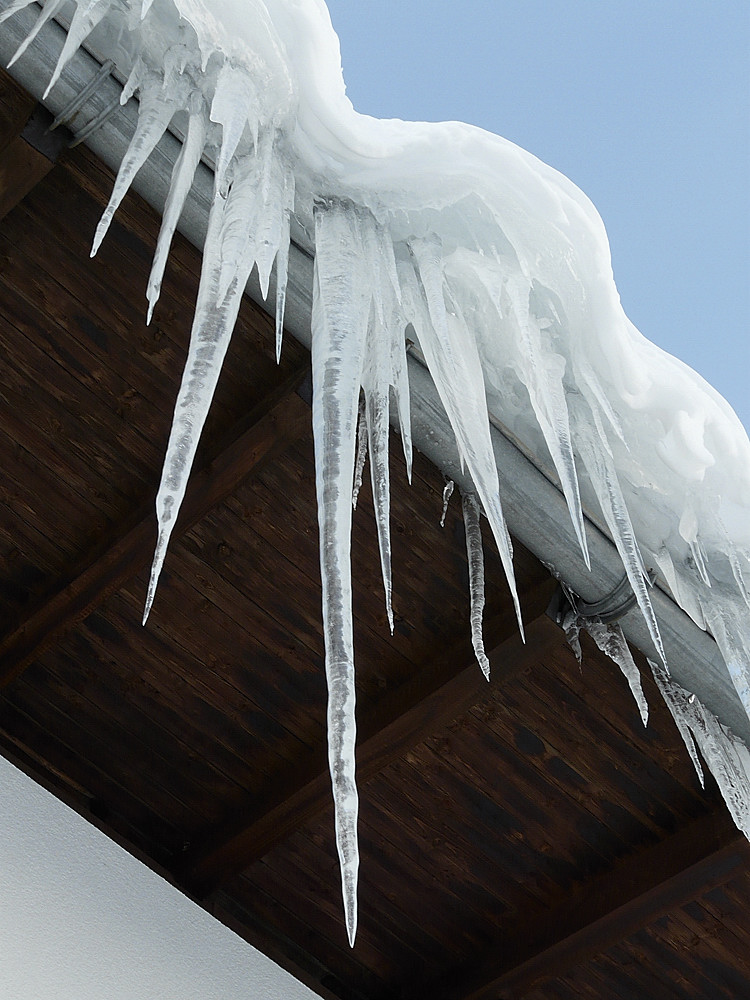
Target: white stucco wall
82,919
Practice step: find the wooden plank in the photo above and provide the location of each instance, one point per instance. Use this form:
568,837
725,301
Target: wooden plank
16,105
28,158
609,908
259,438
434,696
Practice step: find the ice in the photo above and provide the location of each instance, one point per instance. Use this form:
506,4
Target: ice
597,458
340,319
451,353
234,96
88,13
498,267
362,436
727,757
244,228
160,96
376,386
541,370
51,7
609,637
475,557
182,178
447,494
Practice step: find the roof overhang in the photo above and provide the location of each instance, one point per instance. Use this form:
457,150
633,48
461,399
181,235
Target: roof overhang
534,507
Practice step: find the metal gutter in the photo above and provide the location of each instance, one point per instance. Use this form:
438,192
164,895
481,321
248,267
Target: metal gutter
535,509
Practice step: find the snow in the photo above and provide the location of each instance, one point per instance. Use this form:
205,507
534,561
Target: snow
497,268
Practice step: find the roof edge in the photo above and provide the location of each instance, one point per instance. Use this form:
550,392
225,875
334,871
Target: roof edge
535,509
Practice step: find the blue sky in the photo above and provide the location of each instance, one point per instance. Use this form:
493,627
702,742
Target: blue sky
645,105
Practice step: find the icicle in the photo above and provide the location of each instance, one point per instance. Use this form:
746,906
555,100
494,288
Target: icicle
571,625
215,315
699,558
87,15
542,373
595,452
728,622
739,575
610,640
282,274
475,557
451,354
14,8
387,297
234,97
180,184
677,699
447,494
51,7
400,383
727,757
340,315
359,465
375,382
155,112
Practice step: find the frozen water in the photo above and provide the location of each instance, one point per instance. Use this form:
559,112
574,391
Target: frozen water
475,556
447,494
609,638
726,757
494,262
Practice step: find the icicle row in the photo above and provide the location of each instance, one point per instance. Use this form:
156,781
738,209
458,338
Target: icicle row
541,371
228,258
727,758
451,353
599,463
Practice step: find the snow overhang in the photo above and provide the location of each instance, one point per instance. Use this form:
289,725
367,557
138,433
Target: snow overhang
535,508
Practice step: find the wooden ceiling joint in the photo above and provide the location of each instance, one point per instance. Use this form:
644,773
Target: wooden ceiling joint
607,909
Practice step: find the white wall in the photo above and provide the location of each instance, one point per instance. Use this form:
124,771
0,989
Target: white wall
82,919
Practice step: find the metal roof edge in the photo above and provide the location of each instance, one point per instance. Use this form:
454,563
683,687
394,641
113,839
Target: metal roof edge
535,509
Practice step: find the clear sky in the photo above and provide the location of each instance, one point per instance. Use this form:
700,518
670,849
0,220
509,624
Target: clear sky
644,104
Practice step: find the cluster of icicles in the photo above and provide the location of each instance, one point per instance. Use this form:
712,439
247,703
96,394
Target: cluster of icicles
382,276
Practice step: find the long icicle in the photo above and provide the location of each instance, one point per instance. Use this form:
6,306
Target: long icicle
339,325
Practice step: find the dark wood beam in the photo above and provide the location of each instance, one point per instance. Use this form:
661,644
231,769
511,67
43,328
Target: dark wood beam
27,157
16,106
278,421
606,910
438,693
